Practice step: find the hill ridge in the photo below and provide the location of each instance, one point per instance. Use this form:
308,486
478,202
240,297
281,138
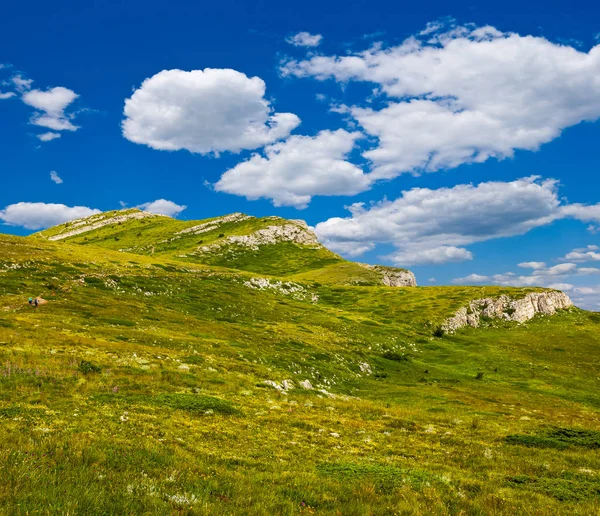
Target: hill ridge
269,245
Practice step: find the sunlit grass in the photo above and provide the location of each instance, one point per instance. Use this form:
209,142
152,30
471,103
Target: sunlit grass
140,389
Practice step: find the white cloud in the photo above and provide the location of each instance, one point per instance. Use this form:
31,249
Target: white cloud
587,291
471,278
532,265
38,215
561,286
51,105
203,111
432,280
585,271
6,95
54,177
584,254
432,256
21,83
558,270
430,225
49,136
349,248
163,207
305,39
464,96
293,171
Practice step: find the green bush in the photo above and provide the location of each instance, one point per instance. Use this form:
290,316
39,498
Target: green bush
86,367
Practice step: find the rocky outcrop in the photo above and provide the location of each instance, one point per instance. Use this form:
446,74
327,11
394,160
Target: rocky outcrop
287,288
211,225
393,277
80,226
270,235
503,307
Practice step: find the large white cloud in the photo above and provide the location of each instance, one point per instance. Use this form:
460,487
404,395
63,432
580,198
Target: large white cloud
430,226
427,225
163,207
293,171
38,215
204,111
464,95
51,105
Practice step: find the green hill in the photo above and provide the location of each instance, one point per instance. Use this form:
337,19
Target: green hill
269,245
167,383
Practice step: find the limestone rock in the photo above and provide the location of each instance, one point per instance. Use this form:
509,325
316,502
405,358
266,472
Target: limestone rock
393,277
270,235
503,307
91,223
214,224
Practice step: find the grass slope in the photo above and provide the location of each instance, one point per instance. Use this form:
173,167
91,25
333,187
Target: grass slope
139,389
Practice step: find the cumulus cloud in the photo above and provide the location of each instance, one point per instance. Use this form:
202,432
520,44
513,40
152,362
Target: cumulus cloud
163,207
293,171
463,94
55,177
38,215
50,108
204,111
305,39
584,254
429,226
49,136
6,95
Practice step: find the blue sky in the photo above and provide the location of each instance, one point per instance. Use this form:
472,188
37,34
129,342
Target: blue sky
468,131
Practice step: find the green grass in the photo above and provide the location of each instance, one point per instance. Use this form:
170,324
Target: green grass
139,389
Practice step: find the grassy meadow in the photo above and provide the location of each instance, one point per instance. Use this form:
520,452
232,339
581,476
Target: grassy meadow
139,388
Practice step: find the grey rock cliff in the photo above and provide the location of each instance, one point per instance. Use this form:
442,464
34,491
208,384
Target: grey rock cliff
393,277
503,307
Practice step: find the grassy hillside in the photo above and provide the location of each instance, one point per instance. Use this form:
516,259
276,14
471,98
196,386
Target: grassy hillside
209,242
148,384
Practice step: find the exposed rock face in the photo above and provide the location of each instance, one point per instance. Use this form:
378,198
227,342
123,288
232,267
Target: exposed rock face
91,223
214,224
393,277
504,307
270,235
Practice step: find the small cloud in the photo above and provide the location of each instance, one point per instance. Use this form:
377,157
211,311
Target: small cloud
54,176
50,106
162,207
532,265
123,204
49,136
561,286
321,97
471,278
6,95
305,39
21,83
432,280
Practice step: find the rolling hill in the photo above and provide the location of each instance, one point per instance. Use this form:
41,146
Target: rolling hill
237,366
